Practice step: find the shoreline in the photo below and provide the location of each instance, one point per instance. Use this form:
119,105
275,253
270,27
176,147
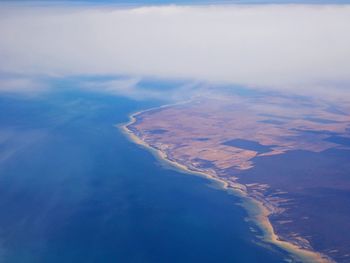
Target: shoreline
257,210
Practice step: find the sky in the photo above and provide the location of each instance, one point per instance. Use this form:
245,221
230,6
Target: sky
301,49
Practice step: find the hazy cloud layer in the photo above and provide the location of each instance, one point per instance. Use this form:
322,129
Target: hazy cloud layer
23,84
295,47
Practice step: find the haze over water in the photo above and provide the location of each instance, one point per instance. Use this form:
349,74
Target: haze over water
74,189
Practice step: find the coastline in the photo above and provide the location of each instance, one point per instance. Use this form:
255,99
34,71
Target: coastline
258,210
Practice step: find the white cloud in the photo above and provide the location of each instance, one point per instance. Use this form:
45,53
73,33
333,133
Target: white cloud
134,88
285,47
15,84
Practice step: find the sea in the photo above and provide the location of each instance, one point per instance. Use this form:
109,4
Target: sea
74,188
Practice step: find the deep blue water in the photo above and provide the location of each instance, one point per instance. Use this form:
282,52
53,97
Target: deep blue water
74,189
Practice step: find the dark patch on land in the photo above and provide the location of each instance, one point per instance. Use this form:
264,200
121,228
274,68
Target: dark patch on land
335,110
317,132
248,145
201,139
307,137
318,185
157,131
276,116
320,120
277,122
345,141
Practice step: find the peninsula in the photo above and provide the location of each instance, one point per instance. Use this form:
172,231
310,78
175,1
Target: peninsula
286,157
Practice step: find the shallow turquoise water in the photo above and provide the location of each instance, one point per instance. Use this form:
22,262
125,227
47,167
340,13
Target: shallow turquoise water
74,189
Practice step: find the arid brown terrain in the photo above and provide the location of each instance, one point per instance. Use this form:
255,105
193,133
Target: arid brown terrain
291,153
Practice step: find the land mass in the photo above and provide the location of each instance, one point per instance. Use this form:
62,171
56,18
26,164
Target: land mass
289,156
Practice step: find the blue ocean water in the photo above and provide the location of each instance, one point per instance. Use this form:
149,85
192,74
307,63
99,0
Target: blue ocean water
74,189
